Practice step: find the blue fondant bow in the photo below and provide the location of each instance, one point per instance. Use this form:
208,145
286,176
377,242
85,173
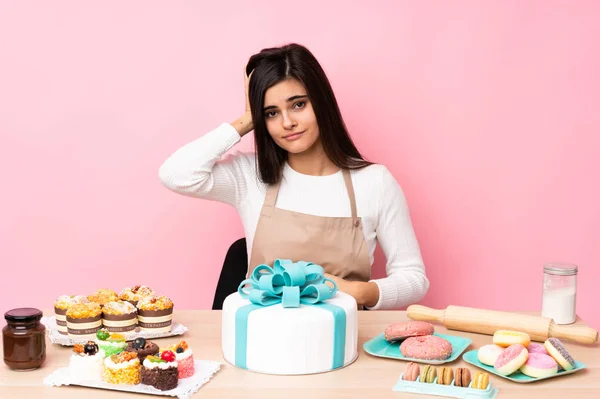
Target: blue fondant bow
287,283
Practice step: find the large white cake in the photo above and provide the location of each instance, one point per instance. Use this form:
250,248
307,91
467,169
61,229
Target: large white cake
290,340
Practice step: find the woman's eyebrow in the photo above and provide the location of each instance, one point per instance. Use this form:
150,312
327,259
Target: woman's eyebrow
292,98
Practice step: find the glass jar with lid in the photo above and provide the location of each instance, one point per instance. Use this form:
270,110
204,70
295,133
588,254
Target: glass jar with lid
560,292
23,339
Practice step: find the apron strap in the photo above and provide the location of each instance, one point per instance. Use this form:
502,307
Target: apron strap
273,191
351,196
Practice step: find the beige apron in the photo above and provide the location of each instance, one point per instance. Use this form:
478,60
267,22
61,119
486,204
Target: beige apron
336,243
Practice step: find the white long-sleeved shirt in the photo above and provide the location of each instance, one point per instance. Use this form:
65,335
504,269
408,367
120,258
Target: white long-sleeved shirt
200,169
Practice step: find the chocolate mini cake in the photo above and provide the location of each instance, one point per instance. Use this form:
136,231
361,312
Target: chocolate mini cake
160,372
142,347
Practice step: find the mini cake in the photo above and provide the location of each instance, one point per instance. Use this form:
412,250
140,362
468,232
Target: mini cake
142,347
123,368
103,296
86,362
61,305
83,321
155,314
111,343
160,372
135,293
119,316
185,359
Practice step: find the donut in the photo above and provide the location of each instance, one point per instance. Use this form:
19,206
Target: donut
488,354
402,330
412,372
427,347
537,348
539,365
506,338
511,359
559,353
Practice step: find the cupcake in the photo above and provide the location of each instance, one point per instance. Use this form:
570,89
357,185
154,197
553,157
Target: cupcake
86,362
61,305
111,343
135,293
103,296
83,321
160,372
185,359
123,368
155,314
120,316
142,347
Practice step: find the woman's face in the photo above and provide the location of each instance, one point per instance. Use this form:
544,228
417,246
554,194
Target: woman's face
289,116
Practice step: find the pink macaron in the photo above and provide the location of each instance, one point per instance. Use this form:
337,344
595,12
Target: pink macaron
537,348
539,365
412,372
402,330
427,347
511,359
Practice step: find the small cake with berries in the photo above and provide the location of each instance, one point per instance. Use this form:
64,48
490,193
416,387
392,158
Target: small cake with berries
86,362
119,316
103,296
111,343
83,321
185,359
123,368
155,314
142,347
160,371
135,293
61,305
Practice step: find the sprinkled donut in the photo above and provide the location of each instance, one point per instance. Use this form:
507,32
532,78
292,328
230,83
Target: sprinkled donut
427,347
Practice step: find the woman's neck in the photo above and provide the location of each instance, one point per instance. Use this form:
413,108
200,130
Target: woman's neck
312,162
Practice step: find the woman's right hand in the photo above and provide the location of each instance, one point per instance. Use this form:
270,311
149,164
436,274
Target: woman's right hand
244,124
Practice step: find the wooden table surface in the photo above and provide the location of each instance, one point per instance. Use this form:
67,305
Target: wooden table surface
367,377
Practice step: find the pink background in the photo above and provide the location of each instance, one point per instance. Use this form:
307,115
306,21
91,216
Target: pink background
486,113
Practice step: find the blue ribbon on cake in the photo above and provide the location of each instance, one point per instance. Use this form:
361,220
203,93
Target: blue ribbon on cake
289,284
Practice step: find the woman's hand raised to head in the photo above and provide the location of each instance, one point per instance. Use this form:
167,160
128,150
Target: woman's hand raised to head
244,124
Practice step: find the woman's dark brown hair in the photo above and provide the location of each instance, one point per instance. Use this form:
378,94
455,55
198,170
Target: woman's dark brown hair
273,65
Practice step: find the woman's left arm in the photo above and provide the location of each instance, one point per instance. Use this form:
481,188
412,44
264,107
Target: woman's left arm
406,282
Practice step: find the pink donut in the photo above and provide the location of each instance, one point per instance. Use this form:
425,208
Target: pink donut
539,365
511,359
401,330
428,347
537,348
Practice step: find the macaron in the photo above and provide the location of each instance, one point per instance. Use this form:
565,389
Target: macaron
488,354
445,375
539,365
537,348
559,353
506,338
402,330
511,359
428,375
462,377
427,347
412,372
481,380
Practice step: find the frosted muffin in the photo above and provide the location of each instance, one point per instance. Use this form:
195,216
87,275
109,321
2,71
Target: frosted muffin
135,293
120,316
61,305
83,321
103,296
155,314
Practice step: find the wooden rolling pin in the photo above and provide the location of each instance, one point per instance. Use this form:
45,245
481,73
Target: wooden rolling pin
484,321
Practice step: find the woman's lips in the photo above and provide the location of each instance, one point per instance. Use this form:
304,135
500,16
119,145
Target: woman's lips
294,136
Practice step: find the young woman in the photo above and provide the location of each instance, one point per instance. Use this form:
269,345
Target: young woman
306,193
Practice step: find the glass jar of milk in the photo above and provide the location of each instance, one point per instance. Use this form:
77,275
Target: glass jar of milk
560,292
